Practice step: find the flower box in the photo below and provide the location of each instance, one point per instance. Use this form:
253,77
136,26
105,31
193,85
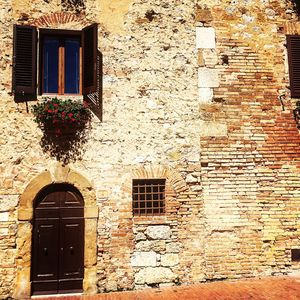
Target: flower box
61,117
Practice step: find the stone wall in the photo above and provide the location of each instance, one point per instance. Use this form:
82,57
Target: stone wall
191,94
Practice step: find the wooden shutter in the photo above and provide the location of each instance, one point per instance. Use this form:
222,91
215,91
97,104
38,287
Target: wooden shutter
89,53
293,46
24,60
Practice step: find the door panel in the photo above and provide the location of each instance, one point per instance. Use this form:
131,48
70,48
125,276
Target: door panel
45,271
70,200
71,265
58,242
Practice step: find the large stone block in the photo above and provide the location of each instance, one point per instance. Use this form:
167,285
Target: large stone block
91,212
154,275
205,37
4,216
90,281
143,259
159,232
22,286
172,247
140,237
206,95
213,129
90,242
151,246
25,214
8,202
169,259
208,78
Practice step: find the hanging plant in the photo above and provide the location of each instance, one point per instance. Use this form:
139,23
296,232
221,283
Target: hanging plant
61,116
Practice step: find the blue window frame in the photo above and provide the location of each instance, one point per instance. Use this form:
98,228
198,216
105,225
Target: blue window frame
60,62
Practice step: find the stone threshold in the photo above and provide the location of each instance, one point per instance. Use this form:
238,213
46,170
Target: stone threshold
55,295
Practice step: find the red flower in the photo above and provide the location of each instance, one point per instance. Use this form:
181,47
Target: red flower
70,115
57,131
55,104
49,111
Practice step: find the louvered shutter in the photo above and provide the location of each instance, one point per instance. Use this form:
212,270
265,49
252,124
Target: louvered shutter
293,46
89,53
24,60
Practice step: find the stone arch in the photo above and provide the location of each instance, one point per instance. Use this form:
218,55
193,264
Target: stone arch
175,182
58,174
60,19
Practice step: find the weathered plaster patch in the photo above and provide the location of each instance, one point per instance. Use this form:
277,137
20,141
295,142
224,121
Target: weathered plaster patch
112,13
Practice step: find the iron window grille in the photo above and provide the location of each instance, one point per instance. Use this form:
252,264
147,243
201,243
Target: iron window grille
295,254
148,197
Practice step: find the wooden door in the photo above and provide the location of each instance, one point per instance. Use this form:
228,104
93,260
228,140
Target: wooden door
58,241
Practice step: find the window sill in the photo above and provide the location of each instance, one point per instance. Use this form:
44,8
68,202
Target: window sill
151,220
65,96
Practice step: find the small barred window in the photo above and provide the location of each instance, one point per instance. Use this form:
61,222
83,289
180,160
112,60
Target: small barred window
295,253
148,197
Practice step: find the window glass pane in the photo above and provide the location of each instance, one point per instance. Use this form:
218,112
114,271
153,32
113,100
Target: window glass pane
50,63
72,47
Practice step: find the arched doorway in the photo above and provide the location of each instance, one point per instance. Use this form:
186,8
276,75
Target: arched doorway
58,241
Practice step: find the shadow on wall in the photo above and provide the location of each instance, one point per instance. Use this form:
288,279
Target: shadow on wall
68,146
95,100
297,5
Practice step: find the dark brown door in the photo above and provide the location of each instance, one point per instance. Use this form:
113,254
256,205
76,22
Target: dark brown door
58,241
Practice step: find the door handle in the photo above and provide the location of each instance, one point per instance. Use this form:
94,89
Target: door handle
72,250
46,251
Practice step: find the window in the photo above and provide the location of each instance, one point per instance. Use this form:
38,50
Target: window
67,62
295,253
148,197
293,46
60,62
